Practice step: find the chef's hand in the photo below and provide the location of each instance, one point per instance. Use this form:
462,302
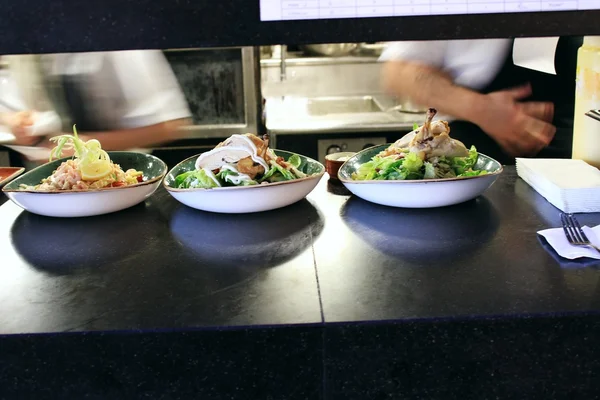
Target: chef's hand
19,123
521,128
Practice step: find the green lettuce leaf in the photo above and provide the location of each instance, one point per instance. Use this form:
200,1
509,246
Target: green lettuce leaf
474,173
295,160
461,165
412,162
195,179
429,171
229,177
376,168
276,169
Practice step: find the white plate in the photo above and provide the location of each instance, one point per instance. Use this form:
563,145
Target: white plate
418,193
32,153
46,123
73,203
245,199
6,137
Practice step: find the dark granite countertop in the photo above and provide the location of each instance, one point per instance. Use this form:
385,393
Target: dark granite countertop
332,297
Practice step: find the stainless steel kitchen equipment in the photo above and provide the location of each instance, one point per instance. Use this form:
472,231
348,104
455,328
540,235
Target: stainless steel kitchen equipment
222,87
341,49
407,106
331,49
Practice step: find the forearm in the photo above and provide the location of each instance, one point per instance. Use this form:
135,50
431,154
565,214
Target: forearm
124,139
431,87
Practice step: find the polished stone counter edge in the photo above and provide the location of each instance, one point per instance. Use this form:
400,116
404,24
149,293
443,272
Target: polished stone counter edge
531,358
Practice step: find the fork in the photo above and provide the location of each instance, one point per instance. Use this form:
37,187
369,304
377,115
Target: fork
574,233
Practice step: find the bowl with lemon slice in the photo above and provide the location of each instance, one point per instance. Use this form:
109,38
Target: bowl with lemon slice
90,182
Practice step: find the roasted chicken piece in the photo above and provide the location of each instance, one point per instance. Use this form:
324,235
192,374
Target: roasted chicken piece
249,167
430,140
262,145
236,148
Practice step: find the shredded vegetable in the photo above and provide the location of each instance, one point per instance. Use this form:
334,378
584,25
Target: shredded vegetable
90,167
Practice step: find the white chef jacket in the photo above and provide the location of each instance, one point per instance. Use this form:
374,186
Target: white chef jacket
125,89
121,89
470,63
10,98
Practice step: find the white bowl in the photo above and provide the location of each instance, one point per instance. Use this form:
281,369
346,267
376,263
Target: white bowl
246,199
74,203
427,193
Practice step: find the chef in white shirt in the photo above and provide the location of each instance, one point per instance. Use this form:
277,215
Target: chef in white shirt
475,83
125,99
16,117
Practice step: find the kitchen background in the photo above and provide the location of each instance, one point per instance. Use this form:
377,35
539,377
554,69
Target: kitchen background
313,99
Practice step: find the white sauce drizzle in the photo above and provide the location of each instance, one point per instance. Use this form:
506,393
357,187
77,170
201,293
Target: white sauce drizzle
254,154
236,180
212,176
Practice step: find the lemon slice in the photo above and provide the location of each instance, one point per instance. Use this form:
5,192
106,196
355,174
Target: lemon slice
95,171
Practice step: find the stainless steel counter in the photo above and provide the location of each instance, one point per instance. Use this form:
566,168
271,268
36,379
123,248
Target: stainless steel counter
296,114
295,60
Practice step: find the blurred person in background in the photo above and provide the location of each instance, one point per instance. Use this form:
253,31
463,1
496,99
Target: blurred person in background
124,99
503,109
16,116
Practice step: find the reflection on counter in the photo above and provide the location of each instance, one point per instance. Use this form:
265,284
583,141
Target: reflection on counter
61,246
243,240
129,270
334,186
423,235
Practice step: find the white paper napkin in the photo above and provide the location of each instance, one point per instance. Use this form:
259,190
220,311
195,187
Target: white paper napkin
557,239
572,186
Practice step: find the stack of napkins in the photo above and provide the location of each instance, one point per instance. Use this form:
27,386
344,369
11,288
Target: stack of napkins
573,186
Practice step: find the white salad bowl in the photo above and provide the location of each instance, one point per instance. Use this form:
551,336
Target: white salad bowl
85,203
426,193
246,199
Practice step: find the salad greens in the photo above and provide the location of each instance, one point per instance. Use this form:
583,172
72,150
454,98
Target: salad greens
195,178
411,167
228,175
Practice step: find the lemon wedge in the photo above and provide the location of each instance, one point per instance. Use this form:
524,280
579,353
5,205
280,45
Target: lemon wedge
95,171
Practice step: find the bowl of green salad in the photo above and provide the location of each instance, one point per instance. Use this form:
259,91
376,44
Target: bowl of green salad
424,169
243,175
